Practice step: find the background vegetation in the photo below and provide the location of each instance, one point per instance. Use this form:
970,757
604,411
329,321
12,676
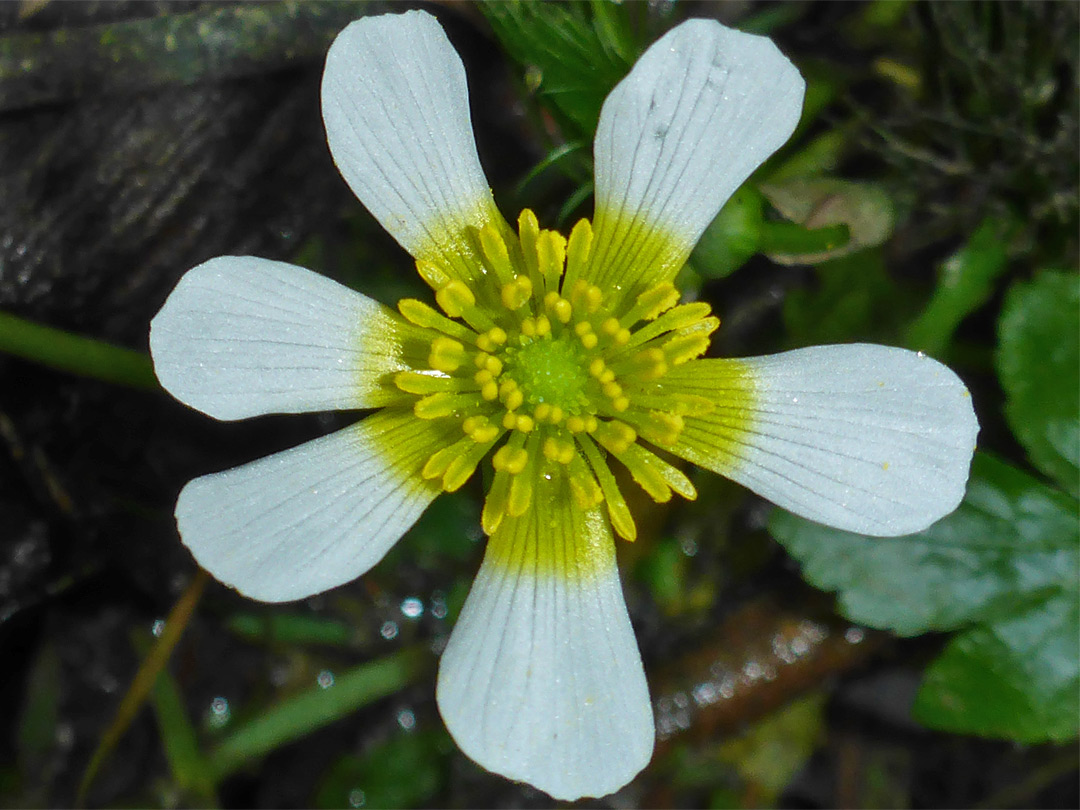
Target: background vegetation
928,200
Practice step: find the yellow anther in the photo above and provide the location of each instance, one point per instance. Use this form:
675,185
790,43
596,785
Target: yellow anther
419,313
516,293
591,423
654,301
582,328
494,249
611,390
541,412
436,406
551,255
578,247
556,415
607,376
528,327
622,337
494,365
620,403
490,391
446,354
543,326
615,436
455,298
434,275
589,340
513,400
483,376
524,423
686,347
491,339
481,359
597,367
528,231
557,451
509,420
415,382
486,434
610,327
663,427
575,424
473,423
510,459
594,297
506,386
551,449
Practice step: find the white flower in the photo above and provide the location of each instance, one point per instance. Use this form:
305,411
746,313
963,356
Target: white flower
556,356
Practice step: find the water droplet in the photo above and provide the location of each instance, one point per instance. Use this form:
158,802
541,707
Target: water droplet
325,679
219,712
389,630
158,628
689,546
412,607
357,798
406,719
854,635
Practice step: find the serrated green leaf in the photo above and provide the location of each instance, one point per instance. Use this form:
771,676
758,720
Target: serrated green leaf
1012,541
1017,678
1038,362
965,282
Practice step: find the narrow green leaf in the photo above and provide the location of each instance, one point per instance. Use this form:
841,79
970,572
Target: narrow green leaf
75,354
787,238
965,283
1038,362
406,771
299,715
291,628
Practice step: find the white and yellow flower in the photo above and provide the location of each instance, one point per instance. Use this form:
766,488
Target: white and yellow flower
558,358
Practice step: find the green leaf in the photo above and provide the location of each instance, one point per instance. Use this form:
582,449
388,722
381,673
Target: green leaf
965,283
854,298
299,715
406,771
1016,678
575,56
1005,565
732,237
818,202
1011,541
1038,362
292,628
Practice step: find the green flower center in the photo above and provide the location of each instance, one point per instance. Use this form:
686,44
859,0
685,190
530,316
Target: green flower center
551,370
537,364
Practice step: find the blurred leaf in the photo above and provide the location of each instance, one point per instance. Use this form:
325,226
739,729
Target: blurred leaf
448,529
817,202
291,628
36,734
189,767
1011,542
175,624
578,56
732,237
773,750
854,298
787,237
299,715
1006,561
1038,362
1017,678
965,283
75,354
406,771
819,156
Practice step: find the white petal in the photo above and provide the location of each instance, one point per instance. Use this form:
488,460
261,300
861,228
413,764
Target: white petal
701,109
241,336
542,681
870,439
396,109
311,518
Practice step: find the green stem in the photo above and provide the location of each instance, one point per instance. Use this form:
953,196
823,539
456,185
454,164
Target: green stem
789,238
75,354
